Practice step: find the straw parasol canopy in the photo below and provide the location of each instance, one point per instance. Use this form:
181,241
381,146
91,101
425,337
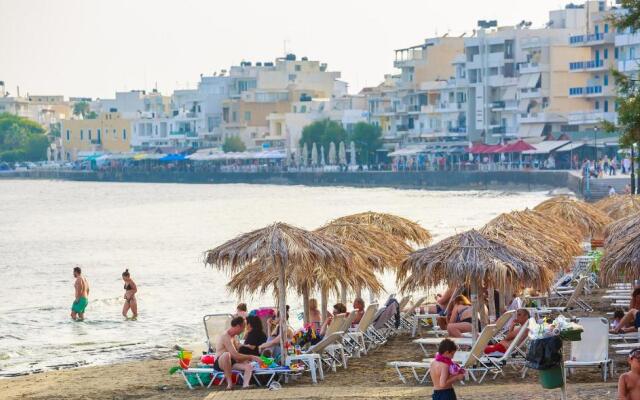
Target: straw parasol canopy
342,154
314,155
531,232
332,153
621,258
619,206
584,218
470,259
397,226
621,230
304,157
281,250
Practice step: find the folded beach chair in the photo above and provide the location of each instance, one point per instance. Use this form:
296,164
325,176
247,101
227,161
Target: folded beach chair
214,325
593,349
573,301
472,361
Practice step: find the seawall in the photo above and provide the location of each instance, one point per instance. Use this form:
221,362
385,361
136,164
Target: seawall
434,180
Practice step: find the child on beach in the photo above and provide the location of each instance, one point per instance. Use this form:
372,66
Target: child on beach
445,372
617,318
629,382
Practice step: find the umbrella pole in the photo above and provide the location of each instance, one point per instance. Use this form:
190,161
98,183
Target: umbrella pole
474,305
324,300
305,304
343,293
282,300
492,304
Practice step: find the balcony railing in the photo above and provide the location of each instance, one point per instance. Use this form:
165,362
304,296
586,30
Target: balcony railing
498,105
580,65
458,129
585,91
594,37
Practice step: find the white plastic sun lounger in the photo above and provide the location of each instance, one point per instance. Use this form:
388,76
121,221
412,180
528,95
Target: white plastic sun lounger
593,349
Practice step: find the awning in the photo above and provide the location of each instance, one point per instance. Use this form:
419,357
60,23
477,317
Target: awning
517,147
570,147
510,93
407,151
531,130
528,81
546,147
480,148
173,157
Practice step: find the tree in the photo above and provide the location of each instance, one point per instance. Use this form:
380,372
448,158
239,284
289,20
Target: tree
81,108
368,139
628,101
322,133
21,139
92,115
233,144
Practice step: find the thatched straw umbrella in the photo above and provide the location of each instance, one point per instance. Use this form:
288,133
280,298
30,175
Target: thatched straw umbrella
619,206
281,250
332,153
529,231
304,156
622,256
470,259
587,220
378,249
342,154
621,230
314,155
393,224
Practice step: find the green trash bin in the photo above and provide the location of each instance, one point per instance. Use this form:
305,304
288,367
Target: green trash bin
551,378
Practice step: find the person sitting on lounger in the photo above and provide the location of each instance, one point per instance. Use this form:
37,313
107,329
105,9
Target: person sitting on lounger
229,359
520,322
338,309
460,317
442,300
631,320
254,337
274,341
358,308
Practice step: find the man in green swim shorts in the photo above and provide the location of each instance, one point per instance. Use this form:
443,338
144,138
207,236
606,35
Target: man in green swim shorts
82,295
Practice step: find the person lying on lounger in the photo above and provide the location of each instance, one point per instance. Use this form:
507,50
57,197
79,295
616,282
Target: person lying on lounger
519,322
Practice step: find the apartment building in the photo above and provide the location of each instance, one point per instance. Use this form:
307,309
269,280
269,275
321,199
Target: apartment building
109,133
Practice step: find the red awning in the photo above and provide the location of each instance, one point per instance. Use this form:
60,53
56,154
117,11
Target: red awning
516,147
477,148
480,148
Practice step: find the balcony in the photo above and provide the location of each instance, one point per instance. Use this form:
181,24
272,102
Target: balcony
540,118
533,67
593,39
627,66
592,117
498,105
457,129
581,66
591,91
532,93
500,80
627,39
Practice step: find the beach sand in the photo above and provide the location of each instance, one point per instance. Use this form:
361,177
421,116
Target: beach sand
366,378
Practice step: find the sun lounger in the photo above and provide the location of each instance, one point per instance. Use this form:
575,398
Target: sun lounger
214,325
359,334
593,349
514,349
326,353
573,300
215,375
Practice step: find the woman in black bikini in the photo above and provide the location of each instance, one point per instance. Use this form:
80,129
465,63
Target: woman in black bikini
130,290
461,317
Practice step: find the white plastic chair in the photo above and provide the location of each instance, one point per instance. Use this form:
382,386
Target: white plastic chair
593,349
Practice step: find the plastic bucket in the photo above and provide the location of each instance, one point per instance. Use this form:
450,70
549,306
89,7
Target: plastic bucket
551,378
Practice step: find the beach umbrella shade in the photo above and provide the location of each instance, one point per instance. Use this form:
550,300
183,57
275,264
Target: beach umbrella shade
342,154
314,155
352,161
322,159
621,259
287,155
621,230
619,206
304,160
332,153
530,231
397,226
469,259
584,219
281,251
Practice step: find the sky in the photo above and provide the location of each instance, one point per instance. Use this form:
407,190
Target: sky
93,48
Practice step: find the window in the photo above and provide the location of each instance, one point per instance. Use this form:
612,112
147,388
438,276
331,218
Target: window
303,109
606,28
606,106
597,54
606,79
124,134
298,68
616,53
606,54
99,135
90,135
68,135
597,105
247,116
115,134
292,77
234,116
81,134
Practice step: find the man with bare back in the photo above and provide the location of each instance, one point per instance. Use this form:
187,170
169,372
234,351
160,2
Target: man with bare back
228,358
82,295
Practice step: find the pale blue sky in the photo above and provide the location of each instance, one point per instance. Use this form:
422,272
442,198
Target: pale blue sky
95,47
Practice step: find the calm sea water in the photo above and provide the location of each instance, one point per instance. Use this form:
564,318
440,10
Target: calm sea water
159,232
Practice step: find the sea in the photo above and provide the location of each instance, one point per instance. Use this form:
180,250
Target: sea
160,233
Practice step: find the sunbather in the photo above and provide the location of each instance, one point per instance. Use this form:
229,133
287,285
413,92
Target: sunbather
631,320
358,309
520,322
338,308
229,359
442,300
460,318
629,382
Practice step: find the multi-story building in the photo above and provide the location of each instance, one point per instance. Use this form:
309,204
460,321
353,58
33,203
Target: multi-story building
45,110
274,88
109,133
597,87
134,104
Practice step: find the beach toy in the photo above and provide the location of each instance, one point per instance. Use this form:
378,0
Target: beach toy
267,362
208,359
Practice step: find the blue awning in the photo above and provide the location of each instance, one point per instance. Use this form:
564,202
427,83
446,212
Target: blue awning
173,157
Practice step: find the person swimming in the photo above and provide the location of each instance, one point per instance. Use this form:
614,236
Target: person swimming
130,290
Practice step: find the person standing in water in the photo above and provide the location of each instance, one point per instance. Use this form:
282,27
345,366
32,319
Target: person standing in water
130,290
82,295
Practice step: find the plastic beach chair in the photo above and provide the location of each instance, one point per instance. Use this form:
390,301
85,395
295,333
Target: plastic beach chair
359,334
509,356
593,349
214,325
